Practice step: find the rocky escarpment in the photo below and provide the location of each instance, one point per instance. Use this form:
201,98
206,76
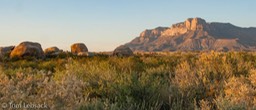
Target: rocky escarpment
196,34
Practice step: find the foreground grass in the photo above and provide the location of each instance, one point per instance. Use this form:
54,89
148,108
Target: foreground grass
174,81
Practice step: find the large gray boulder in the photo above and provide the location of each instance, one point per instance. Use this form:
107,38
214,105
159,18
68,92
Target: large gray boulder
6,50
27,49
78,48
122,51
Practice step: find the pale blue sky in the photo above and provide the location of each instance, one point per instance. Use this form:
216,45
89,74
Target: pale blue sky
104,24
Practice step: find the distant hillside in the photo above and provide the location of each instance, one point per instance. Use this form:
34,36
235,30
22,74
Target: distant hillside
196,34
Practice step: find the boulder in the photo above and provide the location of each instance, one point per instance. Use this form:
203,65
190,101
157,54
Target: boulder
83,54
5,51
77,48
122,51
87,54
52,51
27,49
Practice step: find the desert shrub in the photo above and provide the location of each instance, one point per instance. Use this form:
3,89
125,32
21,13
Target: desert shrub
107,105
52,65
127,64
252,77
107,81
199,82
239,94
47,65
40,89
203,105
240,62
179,80
185,87
22,64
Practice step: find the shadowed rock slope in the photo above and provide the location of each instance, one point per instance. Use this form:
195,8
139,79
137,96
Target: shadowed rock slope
196,34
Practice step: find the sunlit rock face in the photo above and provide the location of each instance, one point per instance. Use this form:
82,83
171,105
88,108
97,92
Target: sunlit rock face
27,49
195,24
196,34
78,48
52,51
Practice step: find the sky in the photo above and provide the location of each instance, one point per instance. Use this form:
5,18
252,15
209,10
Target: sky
102,25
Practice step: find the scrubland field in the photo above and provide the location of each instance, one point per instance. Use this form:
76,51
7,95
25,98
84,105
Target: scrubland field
176,81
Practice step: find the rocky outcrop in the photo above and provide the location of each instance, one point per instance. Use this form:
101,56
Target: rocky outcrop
78,48
122,51
52,51
196,34
27,49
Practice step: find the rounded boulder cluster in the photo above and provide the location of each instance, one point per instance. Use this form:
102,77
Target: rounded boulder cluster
34,49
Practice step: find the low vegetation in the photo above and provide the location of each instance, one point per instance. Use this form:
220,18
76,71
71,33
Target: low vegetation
176,81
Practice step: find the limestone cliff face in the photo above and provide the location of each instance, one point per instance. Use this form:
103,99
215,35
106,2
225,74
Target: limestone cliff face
195,24
196,34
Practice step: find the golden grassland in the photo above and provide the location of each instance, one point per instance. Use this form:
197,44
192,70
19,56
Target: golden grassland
179,80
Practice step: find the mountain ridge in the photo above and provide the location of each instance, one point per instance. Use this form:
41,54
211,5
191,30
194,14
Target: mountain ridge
196,34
